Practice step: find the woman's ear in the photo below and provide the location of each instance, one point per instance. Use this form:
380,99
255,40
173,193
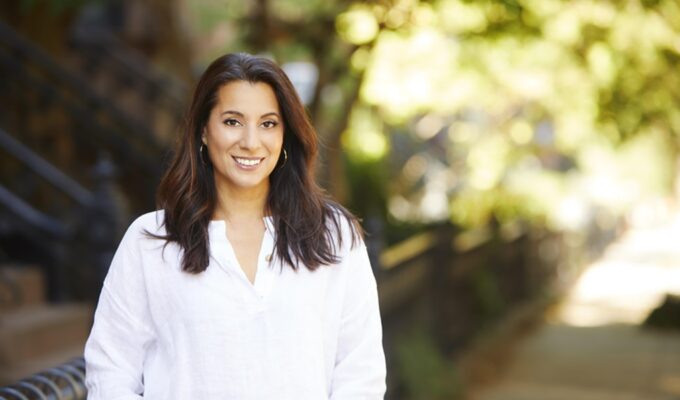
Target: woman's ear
204,136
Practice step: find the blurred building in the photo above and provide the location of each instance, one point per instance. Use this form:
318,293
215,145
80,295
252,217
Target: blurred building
91,96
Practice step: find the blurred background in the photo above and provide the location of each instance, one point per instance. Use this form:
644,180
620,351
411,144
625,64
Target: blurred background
514,163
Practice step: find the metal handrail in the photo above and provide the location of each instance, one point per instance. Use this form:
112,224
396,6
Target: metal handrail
86,119
29,214
46,170
133,65
89,204
64,382
43,60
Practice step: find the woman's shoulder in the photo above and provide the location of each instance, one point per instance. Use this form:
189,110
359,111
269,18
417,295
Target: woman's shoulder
148,223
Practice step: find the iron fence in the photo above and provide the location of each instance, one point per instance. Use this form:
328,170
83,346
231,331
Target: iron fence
64,382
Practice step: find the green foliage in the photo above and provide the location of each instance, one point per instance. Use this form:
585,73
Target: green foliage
487,292
506,100
427,375
523,90
209,14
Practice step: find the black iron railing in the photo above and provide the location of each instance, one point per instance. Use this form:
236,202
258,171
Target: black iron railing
91,220
35,85
27,54
46,170
104,50
64,382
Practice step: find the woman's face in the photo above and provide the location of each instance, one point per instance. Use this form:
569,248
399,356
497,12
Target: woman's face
244,136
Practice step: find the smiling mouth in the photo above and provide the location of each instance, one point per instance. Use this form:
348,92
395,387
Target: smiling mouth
247,162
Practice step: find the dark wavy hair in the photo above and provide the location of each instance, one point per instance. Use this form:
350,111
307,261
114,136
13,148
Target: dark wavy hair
307,222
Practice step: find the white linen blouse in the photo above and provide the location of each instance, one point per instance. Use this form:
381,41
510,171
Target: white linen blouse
161,333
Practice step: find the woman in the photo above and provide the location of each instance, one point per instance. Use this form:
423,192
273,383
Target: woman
248,283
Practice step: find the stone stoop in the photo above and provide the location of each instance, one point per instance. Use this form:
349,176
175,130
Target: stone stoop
20,286
13,374
34,335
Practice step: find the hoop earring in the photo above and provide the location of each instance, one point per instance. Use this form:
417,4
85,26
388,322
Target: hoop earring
200,154
285,158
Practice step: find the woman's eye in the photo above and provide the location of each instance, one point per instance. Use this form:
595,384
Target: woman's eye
269,124
231,122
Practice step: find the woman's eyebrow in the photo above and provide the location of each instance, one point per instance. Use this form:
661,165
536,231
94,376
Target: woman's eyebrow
240,114
275,114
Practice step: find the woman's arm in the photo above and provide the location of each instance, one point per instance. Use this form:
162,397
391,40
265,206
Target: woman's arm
122,331
360,370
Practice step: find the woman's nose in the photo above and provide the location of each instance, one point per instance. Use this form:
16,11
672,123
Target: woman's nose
249,138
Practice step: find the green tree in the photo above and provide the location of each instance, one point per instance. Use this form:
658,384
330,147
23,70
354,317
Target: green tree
498,109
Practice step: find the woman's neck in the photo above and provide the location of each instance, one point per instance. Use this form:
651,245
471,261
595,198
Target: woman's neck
240,205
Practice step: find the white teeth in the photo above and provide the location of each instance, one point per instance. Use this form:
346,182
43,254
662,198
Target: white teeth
247,162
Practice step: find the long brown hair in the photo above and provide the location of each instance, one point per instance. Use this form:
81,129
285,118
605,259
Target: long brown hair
307,222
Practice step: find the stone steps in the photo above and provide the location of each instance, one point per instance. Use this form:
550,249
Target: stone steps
26,368
32,332
35,335
20,286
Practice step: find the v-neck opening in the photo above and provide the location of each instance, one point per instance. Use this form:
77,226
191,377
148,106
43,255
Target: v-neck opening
262,281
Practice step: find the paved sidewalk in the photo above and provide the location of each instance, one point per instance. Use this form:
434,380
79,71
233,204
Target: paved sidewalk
591,346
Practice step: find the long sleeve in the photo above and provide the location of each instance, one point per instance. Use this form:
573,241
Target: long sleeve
360,370
122,332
